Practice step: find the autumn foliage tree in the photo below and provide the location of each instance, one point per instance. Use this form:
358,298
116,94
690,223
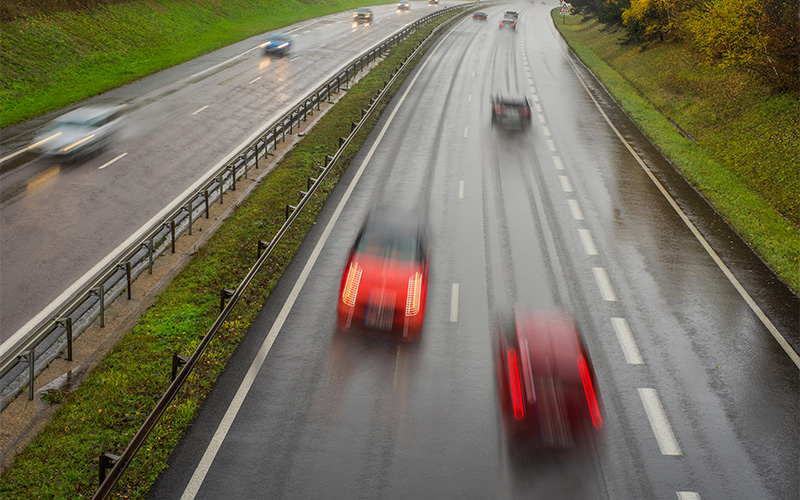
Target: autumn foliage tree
758,35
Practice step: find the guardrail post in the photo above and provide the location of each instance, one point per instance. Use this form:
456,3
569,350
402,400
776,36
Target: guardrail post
67,323
289,209
205,195
178,361
149,246
341,141
172,233
107,461
220,177
262,245
233,177
224,295
190,209
127,267
28,357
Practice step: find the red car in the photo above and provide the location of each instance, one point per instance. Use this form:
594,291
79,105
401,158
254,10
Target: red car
385,279
511,113
545,380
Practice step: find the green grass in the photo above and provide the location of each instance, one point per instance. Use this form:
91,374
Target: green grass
746,158
49,61
103,414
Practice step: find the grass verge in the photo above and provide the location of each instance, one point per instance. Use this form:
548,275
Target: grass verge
745,156
49,61
103,414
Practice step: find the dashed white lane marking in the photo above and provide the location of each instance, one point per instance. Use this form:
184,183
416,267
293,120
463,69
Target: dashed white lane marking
454,303
254,80
575,208
466,131
558,163
538,107
627,342
461,189
588,242
469,98
688,495
199,110
606,290
658,421
566,185
546,131
473,73
535,98
542,119
104,165
551,145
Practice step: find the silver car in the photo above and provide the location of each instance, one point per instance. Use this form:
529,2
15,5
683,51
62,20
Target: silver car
80,132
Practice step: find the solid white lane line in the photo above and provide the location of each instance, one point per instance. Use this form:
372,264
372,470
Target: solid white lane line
461,189
575,208
546,131
558,163
588,242
627,342
104,165
551,145
255,80
566,185
658,421
604,283
199,110
688,495
224,426
773,330
466,131
454,303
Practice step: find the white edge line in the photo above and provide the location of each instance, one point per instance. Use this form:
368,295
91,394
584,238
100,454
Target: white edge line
227,420
659,422
773,330
104,165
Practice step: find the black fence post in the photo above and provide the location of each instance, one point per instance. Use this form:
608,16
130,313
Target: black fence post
224,295
107,461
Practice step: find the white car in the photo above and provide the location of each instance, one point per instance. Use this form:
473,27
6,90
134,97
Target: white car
80,132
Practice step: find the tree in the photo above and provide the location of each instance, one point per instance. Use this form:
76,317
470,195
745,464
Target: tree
657,18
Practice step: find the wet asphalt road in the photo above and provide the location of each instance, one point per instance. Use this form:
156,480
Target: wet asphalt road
700,401
58,220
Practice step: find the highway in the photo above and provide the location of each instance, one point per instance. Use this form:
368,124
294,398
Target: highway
57,220
684,324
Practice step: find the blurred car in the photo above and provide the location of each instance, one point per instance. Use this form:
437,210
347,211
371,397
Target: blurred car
278,44
508,22
511,14
547,389
433,2
481,16
404,5
80,132
363,14
511,113
385,278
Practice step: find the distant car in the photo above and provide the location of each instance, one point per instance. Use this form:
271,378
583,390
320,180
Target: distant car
385,278
404,5
481,16
508,22
363,14
80,132
433,2
278,44
511,113
512,14
546,384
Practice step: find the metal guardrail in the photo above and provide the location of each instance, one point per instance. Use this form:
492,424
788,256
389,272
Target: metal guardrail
118,464
43,342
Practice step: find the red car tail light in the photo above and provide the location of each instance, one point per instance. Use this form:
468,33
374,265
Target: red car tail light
591,399
516,391
351,285
525,111
499,109
414,293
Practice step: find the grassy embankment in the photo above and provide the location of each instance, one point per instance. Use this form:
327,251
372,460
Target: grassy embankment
746,158
49,61
103,414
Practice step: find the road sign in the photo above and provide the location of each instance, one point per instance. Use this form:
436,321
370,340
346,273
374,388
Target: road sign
564,9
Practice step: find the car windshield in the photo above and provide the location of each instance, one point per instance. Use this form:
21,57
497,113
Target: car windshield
391,245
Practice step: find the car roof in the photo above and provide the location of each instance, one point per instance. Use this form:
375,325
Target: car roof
87,113
363,9
521,101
